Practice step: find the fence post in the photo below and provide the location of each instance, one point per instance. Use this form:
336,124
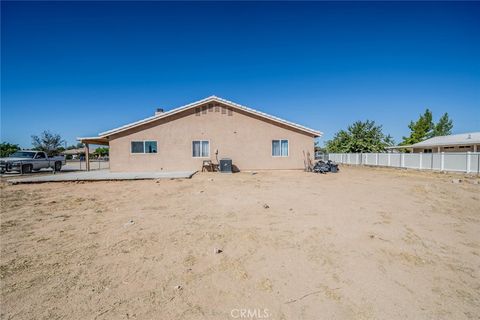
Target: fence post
442,161
478,163
376,159
469,161
420,165
402,159
388,159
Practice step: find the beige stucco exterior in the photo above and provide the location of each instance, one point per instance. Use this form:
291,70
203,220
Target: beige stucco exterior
236,134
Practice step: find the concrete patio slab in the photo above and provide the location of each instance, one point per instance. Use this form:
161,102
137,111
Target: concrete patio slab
103,175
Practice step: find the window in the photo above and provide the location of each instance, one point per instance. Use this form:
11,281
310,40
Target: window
40,155
280,148
150,146
137,147
200,149
144,146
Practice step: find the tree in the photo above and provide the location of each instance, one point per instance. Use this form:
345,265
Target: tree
101,151
51,143
7,149
360,137
424,128
443,127
420,129
76,146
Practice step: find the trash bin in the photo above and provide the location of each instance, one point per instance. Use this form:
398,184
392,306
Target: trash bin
226,165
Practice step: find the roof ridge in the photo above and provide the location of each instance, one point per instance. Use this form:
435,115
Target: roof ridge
204,100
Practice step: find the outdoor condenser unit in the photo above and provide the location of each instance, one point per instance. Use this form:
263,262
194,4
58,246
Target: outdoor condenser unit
226,165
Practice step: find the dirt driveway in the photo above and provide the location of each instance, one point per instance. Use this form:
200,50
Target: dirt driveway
361,244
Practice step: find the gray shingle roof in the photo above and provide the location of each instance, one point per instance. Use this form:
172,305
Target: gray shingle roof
454,139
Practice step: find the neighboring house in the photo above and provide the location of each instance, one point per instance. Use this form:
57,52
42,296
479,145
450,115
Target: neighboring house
209,129
463,142
77,152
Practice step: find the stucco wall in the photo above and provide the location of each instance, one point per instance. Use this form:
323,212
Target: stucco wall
246,139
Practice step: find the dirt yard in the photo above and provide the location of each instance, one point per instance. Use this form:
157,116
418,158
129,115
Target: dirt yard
361,244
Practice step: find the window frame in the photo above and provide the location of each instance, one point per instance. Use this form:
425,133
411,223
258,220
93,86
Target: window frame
36,157
204,157
144,149
288,148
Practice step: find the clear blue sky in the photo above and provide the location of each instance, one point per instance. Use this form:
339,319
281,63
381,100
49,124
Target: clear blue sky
79,68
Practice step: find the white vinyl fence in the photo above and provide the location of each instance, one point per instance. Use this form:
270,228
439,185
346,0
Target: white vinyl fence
468,162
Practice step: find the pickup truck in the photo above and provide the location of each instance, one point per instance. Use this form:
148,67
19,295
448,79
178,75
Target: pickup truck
28,161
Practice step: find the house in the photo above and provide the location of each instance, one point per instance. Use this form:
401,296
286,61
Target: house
210,129
77,153
463,142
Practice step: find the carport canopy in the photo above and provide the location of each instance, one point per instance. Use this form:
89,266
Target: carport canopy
92,140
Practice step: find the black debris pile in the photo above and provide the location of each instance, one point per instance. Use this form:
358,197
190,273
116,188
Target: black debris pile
324,167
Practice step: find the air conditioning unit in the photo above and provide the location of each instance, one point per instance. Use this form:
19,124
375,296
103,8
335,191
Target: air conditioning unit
226,165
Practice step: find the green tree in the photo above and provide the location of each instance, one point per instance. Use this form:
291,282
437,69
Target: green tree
7,149
102,151
51,143
420,129
443,127
360,137
424,128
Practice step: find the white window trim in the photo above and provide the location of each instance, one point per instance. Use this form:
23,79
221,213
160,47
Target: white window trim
139,153
288,148
207,157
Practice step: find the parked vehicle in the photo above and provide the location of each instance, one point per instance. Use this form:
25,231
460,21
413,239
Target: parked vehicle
28,161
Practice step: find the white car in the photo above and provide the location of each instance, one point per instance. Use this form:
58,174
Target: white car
28,161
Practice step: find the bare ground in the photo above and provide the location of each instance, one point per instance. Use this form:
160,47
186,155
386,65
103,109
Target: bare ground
362,244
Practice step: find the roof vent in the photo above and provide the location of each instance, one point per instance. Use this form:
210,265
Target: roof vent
158,111
469,136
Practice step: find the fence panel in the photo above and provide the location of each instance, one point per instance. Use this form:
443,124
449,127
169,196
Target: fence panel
436,163
446,161
427,161
395,159
383,159
455,162
475,163
411,160
358,159
370,159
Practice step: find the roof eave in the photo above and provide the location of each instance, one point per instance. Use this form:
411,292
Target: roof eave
94,140
132,125
460,143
